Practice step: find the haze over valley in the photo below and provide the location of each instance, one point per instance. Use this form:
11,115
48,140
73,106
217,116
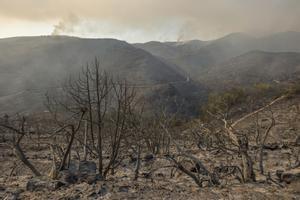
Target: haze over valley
30,66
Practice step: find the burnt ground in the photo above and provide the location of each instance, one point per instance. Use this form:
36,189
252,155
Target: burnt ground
164,183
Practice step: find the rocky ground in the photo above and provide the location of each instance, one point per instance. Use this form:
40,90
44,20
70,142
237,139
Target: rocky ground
157,179
160,185
124,188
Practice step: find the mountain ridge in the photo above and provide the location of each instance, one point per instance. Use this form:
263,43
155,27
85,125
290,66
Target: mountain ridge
43,62
254,67
28,63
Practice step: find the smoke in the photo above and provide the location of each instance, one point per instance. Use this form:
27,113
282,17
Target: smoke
186,19
66,25
189,30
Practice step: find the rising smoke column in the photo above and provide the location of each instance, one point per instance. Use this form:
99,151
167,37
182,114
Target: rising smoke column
67,25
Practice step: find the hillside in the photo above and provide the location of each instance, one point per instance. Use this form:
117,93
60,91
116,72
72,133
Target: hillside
196,61
33,60
254,67
188,56
29,66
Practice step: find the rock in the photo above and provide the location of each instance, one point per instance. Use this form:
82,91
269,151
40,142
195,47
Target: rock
279,174
124,188
11,197
291,176
160,175
93,195
68,176
87,167
75,197
103,191
149,157
2,188
198,169
147,175
73,168
38,184
54,185
87,172
297,142
265,154
90,178
271,147
132,159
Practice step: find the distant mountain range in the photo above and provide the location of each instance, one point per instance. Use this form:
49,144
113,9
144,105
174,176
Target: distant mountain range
185,70
198,57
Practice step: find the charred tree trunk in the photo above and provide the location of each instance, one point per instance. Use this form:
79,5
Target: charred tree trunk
18,135
85,141
73,133
99,122
248,172
64,160
19,152
138,164
261,160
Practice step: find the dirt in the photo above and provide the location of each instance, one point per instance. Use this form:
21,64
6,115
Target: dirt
163,183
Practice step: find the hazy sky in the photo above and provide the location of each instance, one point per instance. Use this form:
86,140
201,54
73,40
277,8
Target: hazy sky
144,20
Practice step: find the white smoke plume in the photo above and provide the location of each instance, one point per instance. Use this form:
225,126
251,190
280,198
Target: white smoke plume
66,25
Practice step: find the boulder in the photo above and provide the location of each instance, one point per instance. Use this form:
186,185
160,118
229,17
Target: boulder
36,184
87,172
291,176
68,176
103,191
2,188
54,185
87,167
147,175
124,188
132,159
40,184
89,178
13,195
297,142
149,157
272,146
279,174
73,167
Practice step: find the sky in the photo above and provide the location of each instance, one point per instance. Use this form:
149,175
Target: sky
147,20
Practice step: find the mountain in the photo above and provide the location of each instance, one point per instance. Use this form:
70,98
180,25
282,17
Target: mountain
184,55
207,54
39,61
280,42
31,65
171,50
237,44
254,67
